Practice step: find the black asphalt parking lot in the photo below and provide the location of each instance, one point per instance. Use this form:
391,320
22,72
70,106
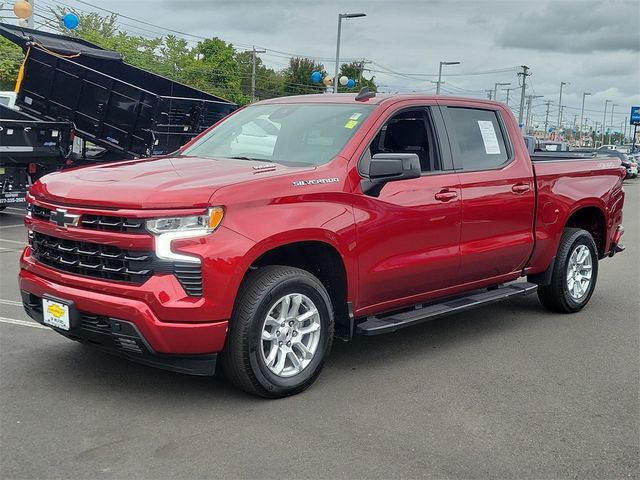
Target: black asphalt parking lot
507,391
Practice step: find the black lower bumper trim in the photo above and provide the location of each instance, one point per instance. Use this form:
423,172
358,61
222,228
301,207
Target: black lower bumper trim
121,338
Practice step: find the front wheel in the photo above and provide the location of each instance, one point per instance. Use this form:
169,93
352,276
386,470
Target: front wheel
574,274
280,334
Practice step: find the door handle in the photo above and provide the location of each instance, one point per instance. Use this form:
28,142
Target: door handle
445,195
520,188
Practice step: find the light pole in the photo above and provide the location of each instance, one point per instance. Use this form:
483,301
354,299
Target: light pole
584,94
604,120
495,89
340,17
562,84
440,74
613,105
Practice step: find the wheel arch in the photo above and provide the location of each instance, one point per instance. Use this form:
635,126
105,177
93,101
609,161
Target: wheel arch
592,218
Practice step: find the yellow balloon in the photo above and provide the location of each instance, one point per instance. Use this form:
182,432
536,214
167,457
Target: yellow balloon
22,9
327,80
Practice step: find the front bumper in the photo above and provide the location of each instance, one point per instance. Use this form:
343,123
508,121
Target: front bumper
121,338
114,323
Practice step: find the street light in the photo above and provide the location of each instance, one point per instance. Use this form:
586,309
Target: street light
495,89
340,17
439,82
604,120
562,84
584,94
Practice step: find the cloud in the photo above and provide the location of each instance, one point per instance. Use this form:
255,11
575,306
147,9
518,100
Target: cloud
575,27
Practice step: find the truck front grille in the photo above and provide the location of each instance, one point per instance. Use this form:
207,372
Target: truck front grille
91,259
107,223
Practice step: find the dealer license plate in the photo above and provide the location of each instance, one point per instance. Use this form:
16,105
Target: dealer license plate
56,314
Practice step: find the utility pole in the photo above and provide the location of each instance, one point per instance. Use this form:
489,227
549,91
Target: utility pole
524,76
562,84
362,69
546,118
508,90
495,89
529,100
489,94
253,72
613,106
604,120
624,136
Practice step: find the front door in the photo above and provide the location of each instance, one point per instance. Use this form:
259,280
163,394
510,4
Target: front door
408,236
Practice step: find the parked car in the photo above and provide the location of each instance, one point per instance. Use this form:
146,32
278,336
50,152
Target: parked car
365,214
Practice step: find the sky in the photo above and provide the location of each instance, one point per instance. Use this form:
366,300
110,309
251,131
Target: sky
592,45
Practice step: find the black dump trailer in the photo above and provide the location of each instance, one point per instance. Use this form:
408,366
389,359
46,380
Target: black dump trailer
29,149
125,110
116,111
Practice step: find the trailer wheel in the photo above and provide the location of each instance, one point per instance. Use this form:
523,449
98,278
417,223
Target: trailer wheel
574,273
280,333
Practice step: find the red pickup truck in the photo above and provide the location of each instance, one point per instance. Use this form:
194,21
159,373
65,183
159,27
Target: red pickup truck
300,219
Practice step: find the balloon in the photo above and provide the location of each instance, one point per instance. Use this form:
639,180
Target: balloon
70,20
22,9
343,80
316,77
328,80
351,83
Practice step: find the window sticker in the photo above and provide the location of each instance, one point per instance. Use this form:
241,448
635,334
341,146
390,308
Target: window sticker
491,145
350,124
355,116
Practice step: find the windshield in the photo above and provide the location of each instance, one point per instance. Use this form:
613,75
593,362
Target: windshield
292,134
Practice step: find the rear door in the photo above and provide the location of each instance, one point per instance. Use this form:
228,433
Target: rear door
498,194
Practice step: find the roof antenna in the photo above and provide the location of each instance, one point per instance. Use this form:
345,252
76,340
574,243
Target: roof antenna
365,94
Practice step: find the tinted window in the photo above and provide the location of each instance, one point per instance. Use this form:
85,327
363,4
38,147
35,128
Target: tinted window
476,137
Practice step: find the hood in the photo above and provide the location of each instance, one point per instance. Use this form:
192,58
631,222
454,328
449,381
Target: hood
166,182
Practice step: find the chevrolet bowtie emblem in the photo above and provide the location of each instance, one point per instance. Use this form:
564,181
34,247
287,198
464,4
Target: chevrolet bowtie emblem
62,219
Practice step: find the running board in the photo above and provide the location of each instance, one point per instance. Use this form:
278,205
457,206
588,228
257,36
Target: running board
395,321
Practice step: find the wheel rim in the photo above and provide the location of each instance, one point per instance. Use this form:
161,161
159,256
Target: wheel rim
290,335
579,272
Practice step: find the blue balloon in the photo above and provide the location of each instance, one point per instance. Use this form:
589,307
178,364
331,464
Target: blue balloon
70,20
351,83
316,77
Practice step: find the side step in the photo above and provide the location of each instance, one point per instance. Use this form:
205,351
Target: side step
395,321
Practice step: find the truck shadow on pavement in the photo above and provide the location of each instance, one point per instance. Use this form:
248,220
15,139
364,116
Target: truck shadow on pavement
81,367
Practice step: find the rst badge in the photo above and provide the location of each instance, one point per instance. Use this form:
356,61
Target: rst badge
315,181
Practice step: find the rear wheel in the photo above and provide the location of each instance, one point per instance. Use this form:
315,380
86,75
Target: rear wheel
574,273
280,334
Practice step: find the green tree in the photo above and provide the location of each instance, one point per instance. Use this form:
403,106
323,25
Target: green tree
269,83
355,71
10,60
297,76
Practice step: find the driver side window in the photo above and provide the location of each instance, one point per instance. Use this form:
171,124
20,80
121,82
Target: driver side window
409,131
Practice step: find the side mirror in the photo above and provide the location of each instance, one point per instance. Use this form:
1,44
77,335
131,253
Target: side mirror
389,167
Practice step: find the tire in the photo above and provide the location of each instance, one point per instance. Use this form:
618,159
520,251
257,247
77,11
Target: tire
2,207
562,294
249,359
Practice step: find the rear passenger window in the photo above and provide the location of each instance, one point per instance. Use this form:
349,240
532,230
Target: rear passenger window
476,138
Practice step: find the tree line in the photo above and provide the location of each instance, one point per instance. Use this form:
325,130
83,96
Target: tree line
212,65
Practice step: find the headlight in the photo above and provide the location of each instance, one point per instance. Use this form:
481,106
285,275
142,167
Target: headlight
166,230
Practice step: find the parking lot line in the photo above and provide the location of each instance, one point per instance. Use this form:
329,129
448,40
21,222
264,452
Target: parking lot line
22,323
10,302
11,226
12,241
